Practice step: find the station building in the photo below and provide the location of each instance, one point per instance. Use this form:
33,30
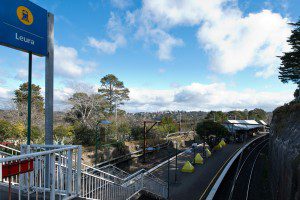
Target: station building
242,129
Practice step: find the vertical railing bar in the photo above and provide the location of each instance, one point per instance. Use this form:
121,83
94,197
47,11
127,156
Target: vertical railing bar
69,172
52,176
59,175
79,154
44,176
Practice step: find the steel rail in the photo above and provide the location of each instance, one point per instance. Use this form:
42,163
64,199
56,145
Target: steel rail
240,169
217,184
249,182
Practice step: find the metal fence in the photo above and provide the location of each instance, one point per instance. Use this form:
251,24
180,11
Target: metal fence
52,177
59,174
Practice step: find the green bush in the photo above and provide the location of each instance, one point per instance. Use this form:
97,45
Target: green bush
6,130
137,132
64,134
84,135
210,129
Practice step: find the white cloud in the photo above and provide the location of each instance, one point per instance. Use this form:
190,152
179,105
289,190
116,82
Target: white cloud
61,96
121,4
115,33
5,98
234,41
237,42
68,64
203,97
22,74
5,93
67,89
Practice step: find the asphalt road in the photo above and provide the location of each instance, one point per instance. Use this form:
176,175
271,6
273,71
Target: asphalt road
195,186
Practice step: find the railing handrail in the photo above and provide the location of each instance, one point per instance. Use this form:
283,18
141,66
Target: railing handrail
12,149
84,165
43,153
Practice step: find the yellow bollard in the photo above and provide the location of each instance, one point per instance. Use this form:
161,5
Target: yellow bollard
223,143
217,147
198,159
188,167
208,153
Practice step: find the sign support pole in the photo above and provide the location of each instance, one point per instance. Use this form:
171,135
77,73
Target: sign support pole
49,82
29,99
49,92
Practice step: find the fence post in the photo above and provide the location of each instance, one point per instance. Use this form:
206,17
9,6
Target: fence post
78,185
69,172
52,176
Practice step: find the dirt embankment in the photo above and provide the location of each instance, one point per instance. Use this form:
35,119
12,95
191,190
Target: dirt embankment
285,153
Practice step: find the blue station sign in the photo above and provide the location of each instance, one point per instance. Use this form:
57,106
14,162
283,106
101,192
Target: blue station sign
23,26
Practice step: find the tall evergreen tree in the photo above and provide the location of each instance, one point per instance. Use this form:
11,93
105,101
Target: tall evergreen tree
113,91
290,61
21,96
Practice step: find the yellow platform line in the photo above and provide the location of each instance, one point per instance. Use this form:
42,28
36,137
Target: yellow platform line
217,174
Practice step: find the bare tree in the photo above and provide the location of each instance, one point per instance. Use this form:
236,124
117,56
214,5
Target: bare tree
87,108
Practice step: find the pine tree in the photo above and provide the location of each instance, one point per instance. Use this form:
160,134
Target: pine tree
290,61
113,91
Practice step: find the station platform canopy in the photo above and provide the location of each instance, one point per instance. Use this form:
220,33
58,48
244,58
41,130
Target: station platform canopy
242,125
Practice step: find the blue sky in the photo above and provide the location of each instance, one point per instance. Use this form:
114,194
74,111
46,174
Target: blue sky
172,55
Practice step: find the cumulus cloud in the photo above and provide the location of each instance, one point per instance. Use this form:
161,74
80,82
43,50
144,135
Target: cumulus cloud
115,33
5,98
22,74
203,97
237,42
234,41
68,64
121,4
67,89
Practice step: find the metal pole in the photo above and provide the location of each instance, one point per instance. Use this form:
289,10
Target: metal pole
49,82
180,122
168,173
144,146
29,99
194,154
116,118
97,139
49,93
176,163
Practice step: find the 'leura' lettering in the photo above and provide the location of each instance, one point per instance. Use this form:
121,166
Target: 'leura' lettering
24,39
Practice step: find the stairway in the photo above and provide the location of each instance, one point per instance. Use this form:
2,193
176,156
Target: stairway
106,183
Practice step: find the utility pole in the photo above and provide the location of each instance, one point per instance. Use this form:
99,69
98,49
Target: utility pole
179,122
116,118
144,146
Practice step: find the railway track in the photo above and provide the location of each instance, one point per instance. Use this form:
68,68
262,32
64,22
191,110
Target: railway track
236,184
241,185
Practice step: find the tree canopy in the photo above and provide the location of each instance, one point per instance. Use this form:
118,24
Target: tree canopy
290,61
113,90
21,96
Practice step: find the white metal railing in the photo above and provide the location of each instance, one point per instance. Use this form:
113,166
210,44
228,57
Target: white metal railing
68,177
7,151
53,176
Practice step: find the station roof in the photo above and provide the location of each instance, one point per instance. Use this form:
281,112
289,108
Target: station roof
236,125
263,122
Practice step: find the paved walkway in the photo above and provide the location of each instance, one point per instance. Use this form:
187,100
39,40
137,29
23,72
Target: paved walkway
195,186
